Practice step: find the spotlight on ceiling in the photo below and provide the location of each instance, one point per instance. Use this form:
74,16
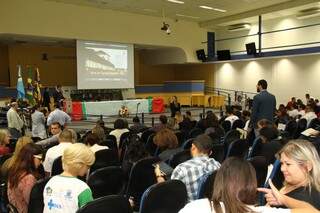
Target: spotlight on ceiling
166,28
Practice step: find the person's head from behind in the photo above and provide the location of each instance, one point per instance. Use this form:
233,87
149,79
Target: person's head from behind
22,141
246,114
268,134
309,108
119,124
99,131
136,150
55,128
100,123
307,96
66,136
300,164
136,120
163,119
293,99
264,123
188,114
229,111
26,162
262,85
235,186
77,159
201,145
4,137
91,139
166,139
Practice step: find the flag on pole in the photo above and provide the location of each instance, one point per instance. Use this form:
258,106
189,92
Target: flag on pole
20,87
29,89
37,91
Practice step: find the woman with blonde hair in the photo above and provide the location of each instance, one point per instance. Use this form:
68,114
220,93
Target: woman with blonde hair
301,170
235,189
65,192
8,163
4,140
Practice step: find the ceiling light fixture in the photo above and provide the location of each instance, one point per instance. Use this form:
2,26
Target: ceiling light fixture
176,1
239,27
187,16
212,8
308,13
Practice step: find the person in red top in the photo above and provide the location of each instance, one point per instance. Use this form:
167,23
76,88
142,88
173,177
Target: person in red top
4,140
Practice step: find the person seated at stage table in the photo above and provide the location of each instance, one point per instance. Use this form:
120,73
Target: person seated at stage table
137,126
167,142
301,170
174,106
119,129
92,141
163,123
57,115
55,129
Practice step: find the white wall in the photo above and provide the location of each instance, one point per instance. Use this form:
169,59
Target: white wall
298,36
286,76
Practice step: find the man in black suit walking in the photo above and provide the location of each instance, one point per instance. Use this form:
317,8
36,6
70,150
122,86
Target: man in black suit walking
264,104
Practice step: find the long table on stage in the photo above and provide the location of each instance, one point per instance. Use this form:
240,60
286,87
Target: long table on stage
112,107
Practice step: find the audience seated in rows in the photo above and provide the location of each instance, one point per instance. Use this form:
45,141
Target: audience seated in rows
92,141
55,129
310,114
4,140
167,142
210,120
119,129
23,175
234,191
187,123
65,192
65,140
100,123
9,162
190,171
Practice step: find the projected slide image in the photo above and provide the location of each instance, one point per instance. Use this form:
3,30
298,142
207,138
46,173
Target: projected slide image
100,63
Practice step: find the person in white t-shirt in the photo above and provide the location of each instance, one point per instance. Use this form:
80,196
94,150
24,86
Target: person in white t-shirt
65,193
235,189
92,141
230,116
65,140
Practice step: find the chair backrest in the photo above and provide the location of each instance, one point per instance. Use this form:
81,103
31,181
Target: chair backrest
150,146
179,157
57,166
238,124
226,125
254,148
238,148
291,128
187,144
168,197
314,123
195,132
124,136
218,152
112,137
104,158
36,204
301,126
111,144
145,135
206,185
141,177
106,181
261,167
111,203
231,136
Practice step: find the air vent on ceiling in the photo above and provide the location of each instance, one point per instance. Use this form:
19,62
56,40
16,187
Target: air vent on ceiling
308,13
239,27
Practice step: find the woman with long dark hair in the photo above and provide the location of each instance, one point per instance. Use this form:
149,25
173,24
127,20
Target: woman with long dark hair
23,175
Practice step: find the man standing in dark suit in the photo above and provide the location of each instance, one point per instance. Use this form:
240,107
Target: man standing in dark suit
264,104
